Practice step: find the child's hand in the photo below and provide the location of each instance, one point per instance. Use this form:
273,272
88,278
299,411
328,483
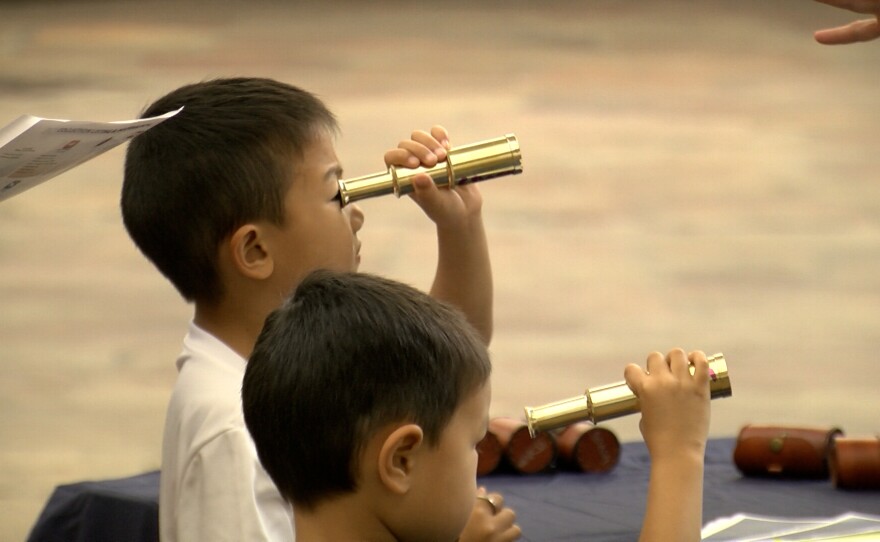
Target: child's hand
674,404
448,209
423,149
862,30
462,248
490,521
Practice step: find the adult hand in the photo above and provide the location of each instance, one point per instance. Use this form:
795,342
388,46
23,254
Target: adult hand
861,30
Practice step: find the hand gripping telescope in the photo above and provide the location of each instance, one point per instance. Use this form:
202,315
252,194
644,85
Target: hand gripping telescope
612,401
466,164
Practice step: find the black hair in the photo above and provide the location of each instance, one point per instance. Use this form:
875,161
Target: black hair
345,356
226,159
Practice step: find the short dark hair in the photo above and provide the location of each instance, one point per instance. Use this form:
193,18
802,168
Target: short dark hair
225,160
346,355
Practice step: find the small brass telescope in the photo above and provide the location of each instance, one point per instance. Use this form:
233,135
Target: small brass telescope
466,164
612,401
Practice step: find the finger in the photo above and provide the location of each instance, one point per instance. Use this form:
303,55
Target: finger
487,508
402,158
431,142
700,363
494,501
441,135
865,30
656,363
633,374
514,533
504,525
678,363
425,154
423,185
497,500
504,519
425,138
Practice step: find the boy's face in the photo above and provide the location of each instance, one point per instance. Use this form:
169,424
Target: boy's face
318,232
448,482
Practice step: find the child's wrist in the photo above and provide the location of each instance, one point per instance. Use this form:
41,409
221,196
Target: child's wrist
679,455
467,225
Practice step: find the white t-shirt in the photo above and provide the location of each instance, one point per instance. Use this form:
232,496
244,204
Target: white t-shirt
212,486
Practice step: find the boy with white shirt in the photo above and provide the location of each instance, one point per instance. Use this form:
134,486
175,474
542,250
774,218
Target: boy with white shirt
234,201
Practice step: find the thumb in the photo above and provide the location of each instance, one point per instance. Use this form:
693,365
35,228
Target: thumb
423,182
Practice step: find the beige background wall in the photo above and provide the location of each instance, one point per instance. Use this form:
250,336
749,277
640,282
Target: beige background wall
696,173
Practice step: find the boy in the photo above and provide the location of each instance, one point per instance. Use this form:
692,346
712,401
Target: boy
234,202
389,454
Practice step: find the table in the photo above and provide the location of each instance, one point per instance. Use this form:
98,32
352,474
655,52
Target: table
551,507
125,509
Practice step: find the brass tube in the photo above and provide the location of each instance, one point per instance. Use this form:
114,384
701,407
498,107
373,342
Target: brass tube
612,401
465,164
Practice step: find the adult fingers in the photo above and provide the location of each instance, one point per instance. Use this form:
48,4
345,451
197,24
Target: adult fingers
858,31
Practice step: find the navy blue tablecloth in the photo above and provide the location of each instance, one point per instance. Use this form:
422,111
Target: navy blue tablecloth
551,507
567,507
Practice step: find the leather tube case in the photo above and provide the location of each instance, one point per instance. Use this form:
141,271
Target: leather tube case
524,454
855,463
587,448
784,451
489,452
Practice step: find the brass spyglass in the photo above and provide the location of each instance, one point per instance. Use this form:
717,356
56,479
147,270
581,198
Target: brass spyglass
465,164
612,401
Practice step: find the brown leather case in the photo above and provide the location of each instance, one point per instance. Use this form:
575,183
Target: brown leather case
489,453
784,451
523,453
583,446
855,463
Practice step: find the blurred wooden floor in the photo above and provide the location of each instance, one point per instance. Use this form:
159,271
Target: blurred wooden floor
698,174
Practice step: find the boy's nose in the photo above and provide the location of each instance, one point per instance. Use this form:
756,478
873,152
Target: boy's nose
357,216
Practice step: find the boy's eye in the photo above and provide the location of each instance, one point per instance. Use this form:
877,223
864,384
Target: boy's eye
335,194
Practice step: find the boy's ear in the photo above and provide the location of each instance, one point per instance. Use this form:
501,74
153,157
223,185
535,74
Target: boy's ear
398,457
248,252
